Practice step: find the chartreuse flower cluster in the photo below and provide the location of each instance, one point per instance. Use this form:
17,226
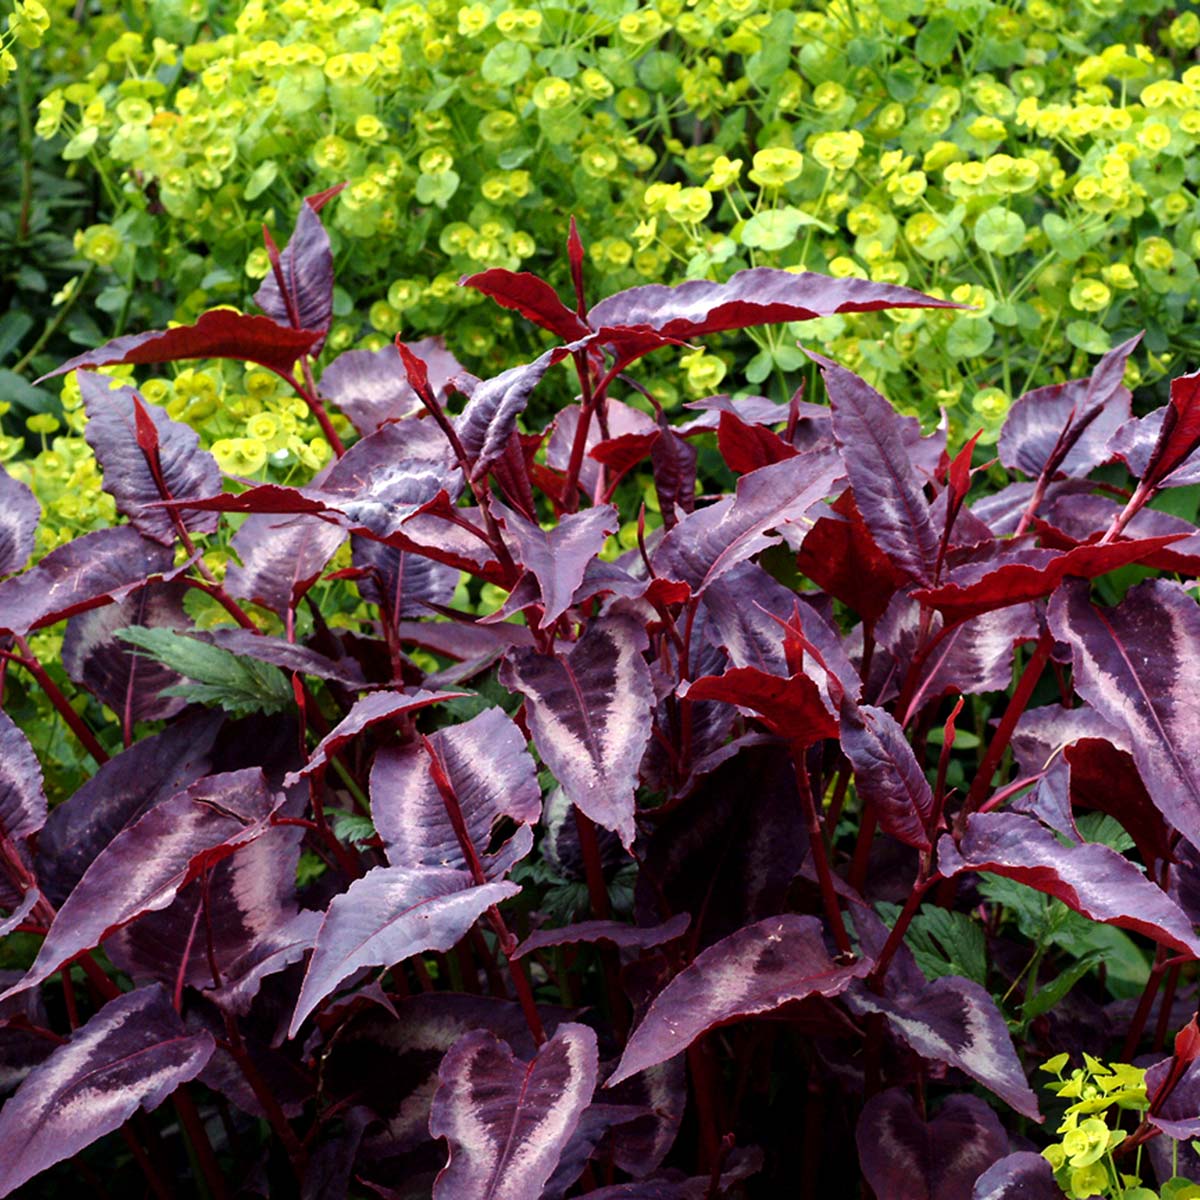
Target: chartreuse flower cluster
1035,161
1099,1096
25,27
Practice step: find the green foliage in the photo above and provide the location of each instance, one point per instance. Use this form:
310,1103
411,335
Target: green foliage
218,677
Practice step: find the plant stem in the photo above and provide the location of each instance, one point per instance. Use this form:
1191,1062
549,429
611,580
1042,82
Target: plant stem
53,326
29,661
189,1118
816,841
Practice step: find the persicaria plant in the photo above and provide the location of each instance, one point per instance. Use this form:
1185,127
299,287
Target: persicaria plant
795,834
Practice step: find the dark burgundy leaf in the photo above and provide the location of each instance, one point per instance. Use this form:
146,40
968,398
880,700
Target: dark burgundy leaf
729,853
508,1121
595,1122
20,912
792,707
1014,576
97,568
401,583
760,296
757,969
187,472
625,937
886,773
220,333
464,640
746,447
305,269
840,556
1021,1176
625,424
532,297
22,800
1178,1115
370,710
674,465
956,1022
274,947
620,454
1134,442
886,488
150,771
904,1158
1090,878
491,414
1043,733
128,682
493,776
1079,416
281,558
371,386
251,910
1180,432
145,865
589,713
1132,664
707,543
19,516
390,1062
558,557
132,1054
388,915
639,1146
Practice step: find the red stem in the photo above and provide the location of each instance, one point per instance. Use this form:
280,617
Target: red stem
189,1118
29,661
816,840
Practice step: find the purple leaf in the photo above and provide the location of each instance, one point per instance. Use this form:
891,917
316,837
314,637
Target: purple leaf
491,414
129,683
493,777
150,771
1021,1176
904,1158
370,710
1067,426
282,557
145,865
886,488
760,296
640,1146
251,908
621,421
1131,664
401,583
22,800
1178,1115
1134,442
280,653
187,472
1093,880
216,334
674,465
508,1121
1180,432
132,1054
709,542
371,386
1014,576
558,557
97,568
625,937
757,969
306,268
589,713
19,516
595,1122
388,915
956,1022
887,775
532,297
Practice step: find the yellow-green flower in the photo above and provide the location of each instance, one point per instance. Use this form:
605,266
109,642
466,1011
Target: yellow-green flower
776,166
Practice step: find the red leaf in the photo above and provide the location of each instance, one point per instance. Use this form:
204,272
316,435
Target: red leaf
217,334
1180,433
793,708
532,297
745,447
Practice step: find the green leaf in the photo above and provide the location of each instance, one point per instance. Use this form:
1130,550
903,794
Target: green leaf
948,943
218,677
766,65
1045,999
15,389
353,828
936,41
14,325
1089,336
506,63
437,189
1105,829
999,231
776,228
969,337
260,179
1066,241
80,145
